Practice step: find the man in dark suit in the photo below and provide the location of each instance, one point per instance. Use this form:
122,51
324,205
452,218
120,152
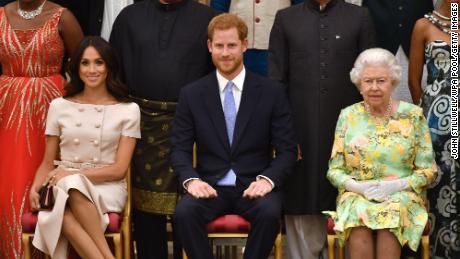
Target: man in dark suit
235,118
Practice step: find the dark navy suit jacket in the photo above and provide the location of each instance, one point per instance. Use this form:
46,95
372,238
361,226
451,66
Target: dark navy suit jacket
263,122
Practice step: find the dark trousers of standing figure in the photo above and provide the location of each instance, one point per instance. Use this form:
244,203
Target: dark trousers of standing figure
192,215
151,236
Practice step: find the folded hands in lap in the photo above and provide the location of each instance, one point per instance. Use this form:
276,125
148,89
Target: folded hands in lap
376,190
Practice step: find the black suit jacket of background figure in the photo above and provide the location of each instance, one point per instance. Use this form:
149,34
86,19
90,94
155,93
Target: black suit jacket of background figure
263,122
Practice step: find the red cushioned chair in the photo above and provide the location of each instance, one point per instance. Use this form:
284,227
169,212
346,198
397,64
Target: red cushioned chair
119,228
234,226
331,241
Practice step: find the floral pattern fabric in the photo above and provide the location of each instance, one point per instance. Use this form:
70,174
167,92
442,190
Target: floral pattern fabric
379,149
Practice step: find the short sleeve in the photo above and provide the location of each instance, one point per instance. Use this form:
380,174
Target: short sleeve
131,124
52,125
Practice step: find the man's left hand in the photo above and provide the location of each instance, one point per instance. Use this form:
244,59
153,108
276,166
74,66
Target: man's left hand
258,189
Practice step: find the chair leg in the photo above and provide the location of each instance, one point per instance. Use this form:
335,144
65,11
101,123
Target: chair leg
330,246
26,245
278,247
425,247
126,232
341,252
184,255
117,244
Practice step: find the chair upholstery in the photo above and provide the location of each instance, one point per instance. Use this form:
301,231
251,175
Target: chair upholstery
234,226
341,253
229,224
118,229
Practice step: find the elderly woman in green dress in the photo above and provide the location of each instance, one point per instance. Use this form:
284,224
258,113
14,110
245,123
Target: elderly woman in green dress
381,163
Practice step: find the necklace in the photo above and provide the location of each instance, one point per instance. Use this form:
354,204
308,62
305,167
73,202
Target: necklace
387,112
439,24
28,15
441,16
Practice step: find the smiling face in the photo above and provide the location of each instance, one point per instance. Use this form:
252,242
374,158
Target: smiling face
376,86
93,70
227,52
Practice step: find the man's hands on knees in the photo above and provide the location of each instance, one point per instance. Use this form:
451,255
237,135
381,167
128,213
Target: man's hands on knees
258,188
200,189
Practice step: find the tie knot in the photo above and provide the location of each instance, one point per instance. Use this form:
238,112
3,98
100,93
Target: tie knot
229,86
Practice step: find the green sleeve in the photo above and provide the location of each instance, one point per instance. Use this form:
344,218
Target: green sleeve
338,173
424,166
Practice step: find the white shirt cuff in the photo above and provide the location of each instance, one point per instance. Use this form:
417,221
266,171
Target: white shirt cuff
266,178
184,184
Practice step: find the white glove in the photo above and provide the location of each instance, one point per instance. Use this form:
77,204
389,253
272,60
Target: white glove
384,189
360,187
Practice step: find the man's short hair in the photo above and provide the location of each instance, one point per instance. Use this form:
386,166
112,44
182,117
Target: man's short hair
227,21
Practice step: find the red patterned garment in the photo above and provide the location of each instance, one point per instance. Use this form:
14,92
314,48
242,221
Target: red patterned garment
31,61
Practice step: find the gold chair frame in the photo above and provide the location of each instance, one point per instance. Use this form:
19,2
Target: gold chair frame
121,240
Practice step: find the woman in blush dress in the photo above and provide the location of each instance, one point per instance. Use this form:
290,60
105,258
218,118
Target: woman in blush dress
90,137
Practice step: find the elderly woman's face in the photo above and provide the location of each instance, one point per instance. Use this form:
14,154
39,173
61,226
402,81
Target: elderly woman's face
376,86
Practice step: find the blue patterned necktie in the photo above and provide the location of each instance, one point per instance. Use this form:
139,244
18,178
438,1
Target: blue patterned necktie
230,117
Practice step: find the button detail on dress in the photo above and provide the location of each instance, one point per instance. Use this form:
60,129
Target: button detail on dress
95,160
98,109
97,126
257,20
76,141
76,159
81,109
78,124
96,143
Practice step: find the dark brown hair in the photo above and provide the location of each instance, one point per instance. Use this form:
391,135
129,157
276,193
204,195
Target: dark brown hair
114,85
227,21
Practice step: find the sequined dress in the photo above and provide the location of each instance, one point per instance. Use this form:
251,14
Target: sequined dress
444,193
31,62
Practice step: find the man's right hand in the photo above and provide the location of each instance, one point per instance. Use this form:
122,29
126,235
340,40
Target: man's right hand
200,189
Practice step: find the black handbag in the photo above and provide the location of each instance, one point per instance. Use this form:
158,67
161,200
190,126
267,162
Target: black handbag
46,197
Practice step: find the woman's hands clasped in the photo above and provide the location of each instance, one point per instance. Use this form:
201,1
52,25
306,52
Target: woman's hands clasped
52,178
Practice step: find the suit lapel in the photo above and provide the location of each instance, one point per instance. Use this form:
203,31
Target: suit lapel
249,101
213,105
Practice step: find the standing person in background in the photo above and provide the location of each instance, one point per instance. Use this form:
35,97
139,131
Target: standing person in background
162,45
258,16
312,48
89,14
111,10
96,17
394,21
34,35
4,2
431,44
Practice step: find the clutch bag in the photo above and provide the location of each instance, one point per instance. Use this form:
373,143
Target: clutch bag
46,197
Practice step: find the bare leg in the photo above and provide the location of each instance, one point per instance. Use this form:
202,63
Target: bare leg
86,214
388,246
361,243
78,237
